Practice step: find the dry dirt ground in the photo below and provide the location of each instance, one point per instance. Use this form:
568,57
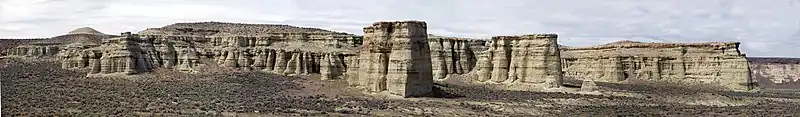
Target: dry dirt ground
43,89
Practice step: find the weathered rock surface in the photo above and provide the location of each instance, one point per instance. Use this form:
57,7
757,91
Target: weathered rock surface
50,47
395,59
520,61
451,55
6,44
776,73
399,58
717,63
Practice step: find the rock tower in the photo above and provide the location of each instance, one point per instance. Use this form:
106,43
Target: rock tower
519,61
396,59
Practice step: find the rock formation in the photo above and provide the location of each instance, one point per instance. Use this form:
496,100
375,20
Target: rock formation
776,73
451,56
520,60
718,63
396,59
51,47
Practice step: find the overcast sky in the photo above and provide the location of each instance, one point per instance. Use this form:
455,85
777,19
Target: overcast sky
765,27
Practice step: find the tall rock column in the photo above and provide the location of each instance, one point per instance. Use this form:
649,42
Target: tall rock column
521,62
280,61
259,60
437,58
398,57
325,68
544,59
485,66
449,60
307,63
270,65
464,56
501,57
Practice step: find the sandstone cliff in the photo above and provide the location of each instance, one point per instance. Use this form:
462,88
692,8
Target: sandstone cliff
716,63
452,56
398,58
395,58
6,44
50,47
521,62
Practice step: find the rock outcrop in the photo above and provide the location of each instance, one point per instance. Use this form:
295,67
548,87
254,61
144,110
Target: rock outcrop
776,73
50,47
119,56
451,56
395,59
521,61
6,44
717,63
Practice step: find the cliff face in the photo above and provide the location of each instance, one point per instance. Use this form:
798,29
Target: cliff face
776,73
399,58
6,44
716,63
520,61
395,58
281,50
452,56
49,47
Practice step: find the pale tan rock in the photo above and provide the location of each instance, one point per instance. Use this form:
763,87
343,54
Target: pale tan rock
271,56
325,68
120,56
451,56
501,58
188,61
182,51
717,63
396,58
520,62
328,68
292,64
260,59
281,59
307,64
439,65
464,55
485,66
244,60
449,60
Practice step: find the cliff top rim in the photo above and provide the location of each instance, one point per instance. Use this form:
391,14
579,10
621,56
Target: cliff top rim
399,22
638,44
528,36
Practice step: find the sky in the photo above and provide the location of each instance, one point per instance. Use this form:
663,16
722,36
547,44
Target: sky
766,28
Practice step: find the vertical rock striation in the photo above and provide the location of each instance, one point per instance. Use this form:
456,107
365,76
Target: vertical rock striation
451,56
395,59
520,61
708,63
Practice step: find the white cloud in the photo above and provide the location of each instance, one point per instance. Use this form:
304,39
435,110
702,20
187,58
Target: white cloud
765,27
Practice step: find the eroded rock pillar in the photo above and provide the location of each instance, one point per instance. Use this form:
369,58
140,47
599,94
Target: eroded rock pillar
397,58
